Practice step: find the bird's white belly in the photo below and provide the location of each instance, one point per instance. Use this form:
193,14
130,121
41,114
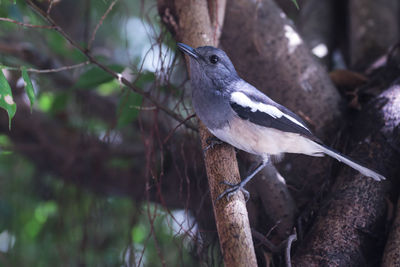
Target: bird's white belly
263,141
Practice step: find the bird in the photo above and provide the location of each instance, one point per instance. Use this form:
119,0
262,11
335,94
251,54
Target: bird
237,113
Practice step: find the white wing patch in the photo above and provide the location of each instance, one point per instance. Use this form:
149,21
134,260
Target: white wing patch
243,100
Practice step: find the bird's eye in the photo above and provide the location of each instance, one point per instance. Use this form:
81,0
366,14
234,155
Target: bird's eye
214,59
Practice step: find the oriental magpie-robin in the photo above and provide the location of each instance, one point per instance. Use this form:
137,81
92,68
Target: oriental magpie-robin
239,114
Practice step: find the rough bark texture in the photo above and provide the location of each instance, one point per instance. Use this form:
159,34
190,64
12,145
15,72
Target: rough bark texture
231,216
194,28
318,36
290,8
349,227
391,257
374,27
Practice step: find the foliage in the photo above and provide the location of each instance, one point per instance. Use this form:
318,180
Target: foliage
44,219
6,98
53,222
28,86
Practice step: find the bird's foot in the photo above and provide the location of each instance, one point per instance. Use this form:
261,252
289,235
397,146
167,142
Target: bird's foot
233,190
212,142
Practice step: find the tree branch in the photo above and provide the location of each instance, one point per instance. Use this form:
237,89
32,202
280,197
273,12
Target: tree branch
27,24
391,256
349,229
231,216
368,40
100,23
64,68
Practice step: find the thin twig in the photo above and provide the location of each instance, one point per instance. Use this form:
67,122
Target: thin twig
273,228
290,240
27,24
49,70
177,126
50,7
100,23
117,76
268,244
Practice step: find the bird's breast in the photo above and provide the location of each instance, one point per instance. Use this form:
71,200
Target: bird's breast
262,141
212,108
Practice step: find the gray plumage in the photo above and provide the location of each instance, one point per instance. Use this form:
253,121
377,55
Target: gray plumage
239,114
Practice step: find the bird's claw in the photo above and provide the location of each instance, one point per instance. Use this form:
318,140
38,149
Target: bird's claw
233,190
212,142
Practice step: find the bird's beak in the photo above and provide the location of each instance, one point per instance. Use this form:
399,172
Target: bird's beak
188,50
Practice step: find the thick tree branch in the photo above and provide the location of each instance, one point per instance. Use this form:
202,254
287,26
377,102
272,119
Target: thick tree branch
391,256
231,216
319,36
350,225
374,27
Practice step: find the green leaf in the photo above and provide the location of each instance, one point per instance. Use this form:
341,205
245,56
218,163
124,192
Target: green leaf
59,102
45,210
139,233
128,108
28,86
296,4
6,99
45,101
109,88
95,77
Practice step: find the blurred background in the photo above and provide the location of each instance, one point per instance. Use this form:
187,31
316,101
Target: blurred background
73,170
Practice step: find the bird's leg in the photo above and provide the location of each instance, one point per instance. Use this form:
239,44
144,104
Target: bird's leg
240,186
212,142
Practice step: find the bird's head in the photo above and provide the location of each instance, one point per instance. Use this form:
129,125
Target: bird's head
209,65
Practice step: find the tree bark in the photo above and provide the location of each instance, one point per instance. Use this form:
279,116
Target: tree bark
391,256
349,227
374,27
195,28
318,36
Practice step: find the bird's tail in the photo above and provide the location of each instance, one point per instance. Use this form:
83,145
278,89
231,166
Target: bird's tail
346,160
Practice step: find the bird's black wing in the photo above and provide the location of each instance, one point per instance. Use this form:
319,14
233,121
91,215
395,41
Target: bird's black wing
265,112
